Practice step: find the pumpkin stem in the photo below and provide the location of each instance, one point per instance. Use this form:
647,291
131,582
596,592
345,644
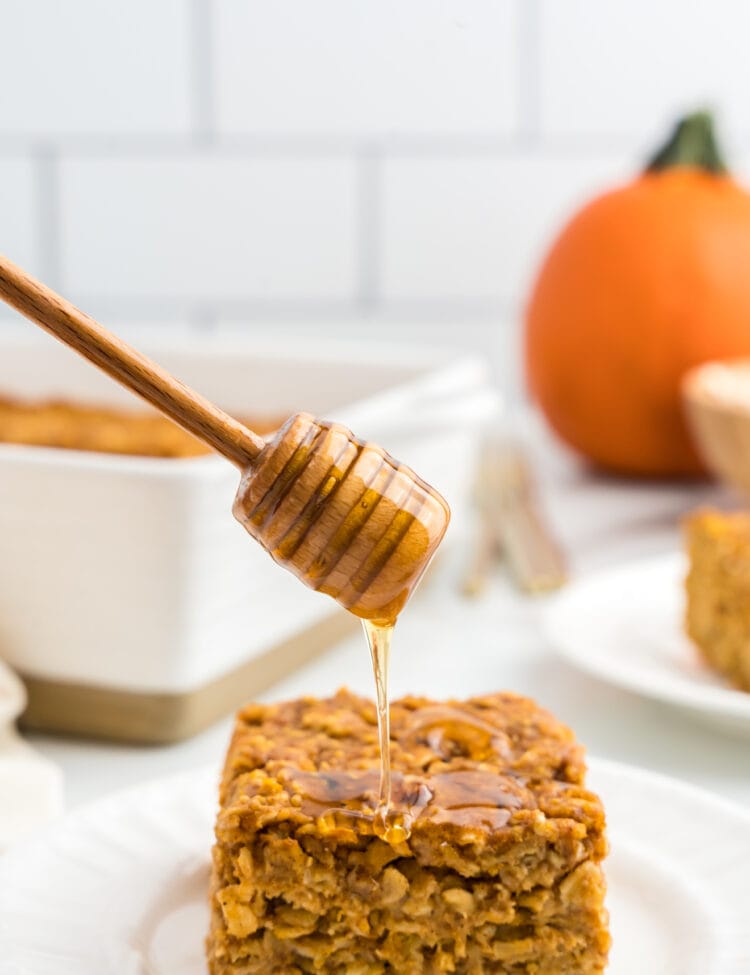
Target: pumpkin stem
692,143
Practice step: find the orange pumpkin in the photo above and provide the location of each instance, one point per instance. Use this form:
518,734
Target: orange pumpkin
644,283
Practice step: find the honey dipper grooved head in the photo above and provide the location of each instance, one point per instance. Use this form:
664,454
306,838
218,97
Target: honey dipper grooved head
342,515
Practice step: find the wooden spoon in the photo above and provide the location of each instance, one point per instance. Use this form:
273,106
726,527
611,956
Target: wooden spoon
341,514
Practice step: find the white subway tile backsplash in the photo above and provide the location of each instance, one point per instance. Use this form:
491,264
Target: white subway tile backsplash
462,228
627,67
187,162
18,216
337,67
18,220
209,227
83,66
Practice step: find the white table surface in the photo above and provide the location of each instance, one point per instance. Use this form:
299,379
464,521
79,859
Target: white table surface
446,645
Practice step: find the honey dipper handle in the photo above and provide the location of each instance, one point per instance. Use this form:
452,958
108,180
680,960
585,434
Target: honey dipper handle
197,415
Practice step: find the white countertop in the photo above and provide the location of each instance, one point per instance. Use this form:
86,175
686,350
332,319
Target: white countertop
446,645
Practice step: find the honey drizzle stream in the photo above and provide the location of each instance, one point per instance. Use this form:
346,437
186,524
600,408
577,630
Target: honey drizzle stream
388,825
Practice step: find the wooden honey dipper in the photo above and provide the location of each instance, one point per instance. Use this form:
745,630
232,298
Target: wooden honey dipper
341,514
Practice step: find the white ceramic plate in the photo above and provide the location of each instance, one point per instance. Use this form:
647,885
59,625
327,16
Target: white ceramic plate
120,887
625,626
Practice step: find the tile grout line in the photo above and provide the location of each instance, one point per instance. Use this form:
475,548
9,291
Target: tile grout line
201,68
200,316
48,214
528,73
206,313
303,147
369,206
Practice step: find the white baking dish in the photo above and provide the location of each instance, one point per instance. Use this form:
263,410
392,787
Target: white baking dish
131,575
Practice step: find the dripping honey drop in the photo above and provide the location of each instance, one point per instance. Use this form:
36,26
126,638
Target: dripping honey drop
389,824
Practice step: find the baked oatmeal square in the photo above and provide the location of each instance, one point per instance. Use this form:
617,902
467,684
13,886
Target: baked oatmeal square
501,872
